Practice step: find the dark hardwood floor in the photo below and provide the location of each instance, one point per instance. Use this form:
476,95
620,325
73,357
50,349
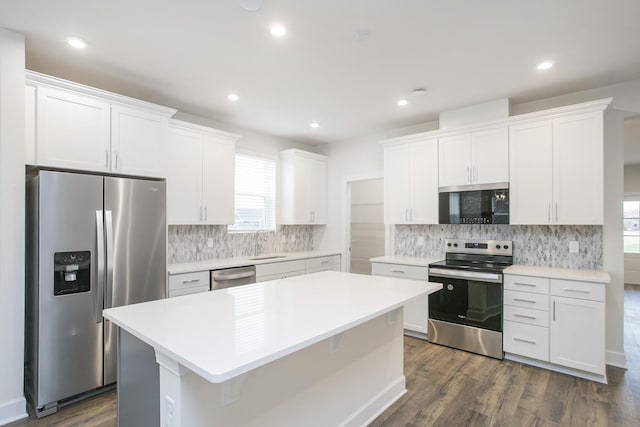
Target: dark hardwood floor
448,387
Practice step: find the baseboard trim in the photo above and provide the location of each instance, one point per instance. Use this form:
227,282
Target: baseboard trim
556,368
617,359
13,410
377,404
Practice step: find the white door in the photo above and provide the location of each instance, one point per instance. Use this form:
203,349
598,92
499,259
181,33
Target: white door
218,177
424,182
454,154
397,184
184,180
578,169
138,142
490,156
531,173
366,224
73,130
576,334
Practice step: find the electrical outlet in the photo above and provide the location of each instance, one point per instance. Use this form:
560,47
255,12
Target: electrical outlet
574,247
283,239
293,238
210,242
420,241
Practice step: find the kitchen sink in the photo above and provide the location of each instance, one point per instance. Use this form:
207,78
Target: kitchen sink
257,258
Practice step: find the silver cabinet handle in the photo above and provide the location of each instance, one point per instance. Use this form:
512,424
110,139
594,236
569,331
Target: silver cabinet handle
525,284
556,211
106,157
101,265
579,291
206,213
549,212
524,300
525,316
398,271
554,310
185,282
324,262
116,155
523,340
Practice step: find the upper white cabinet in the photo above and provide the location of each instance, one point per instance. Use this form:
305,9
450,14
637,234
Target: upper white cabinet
200,175
303,188
411,183
557,170
474,158
78,127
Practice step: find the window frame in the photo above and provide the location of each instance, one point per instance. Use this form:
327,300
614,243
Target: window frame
630,197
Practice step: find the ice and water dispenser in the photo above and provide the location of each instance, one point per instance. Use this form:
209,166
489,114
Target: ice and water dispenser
72,272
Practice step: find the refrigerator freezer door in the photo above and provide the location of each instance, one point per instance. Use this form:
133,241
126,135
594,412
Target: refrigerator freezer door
136,236
69,331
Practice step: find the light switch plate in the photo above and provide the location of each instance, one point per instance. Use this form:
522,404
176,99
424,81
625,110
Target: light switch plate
574,247
420,241
210,242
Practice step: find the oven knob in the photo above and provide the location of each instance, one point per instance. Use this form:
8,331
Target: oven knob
449,244
455,245
506,246
450,287
497,246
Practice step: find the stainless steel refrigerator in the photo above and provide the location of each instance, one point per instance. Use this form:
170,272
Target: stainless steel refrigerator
93,242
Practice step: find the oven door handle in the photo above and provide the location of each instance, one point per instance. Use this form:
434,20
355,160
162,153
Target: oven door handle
456,274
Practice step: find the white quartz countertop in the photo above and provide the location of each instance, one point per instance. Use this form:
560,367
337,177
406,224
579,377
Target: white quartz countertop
215,264
225,333
559,273
406,260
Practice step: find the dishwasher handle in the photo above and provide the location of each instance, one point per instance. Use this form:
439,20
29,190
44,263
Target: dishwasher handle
222,277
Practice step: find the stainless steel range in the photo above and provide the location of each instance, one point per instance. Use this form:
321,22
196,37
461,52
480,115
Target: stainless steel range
467,312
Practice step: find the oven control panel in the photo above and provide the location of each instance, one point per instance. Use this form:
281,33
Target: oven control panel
471,246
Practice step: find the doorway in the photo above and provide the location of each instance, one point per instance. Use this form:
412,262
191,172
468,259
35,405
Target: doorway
366,223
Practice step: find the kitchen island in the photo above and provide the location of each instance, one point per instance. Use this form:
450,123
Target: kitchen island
320,349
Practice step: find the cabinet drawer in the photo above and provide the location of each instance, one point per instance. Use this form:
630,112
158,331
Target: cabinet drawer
276,276
188,280
280,267
581,290
538,285
526,340
187,291
322,263
526,299
526,315
400,270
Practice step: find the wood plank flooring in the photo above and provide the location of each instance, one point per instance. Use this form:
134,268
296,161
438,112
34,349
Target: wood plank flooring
449,387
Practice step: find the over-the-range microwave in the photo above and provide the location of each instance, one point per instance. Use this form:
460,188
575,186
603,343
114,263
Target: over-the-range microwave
474,206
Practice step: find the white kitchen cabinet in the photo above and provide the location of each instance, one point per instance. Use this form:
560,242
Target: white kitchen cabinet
474,158
188,283
280,270
200,175
325,263
138,141
556,172
30,125
87,129
303,188
411,183
416,312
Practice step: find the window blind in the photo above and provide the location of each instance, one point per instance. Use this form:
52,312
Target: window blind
255,194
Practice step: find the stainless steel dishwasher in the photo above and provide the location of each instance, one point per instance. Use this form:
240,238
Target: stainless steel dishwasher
229,277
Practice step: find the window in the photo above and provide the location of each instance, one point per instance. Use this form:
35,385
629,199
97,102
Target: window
632,225
255,194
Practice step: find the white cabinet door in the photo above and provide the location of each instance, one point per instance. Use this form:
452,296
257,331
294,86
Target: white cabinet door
490,156
184,177
218,169
397,184
577,334
303,188
531,173
73,130
455,160
415,315
30,125
423,159
138,142
578,169
317,190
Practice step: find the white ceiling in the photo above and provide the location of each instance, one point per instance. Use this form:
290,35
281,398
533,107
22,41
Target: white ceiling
342,63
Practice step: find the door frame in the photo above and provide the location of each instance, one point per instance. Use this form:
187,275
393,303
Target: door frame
346,218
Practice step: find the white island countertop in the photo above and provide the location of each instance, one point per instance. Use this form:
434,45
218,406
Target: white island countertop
222,334
215,264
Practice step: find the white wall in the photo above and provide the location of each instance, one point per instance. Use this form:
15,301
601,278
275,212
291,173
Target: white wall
365,157
12,192
632,179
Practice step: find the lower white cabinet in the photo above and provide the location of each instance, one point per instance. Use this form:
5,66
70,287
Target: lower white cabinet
416,311
325,263
188,283
560,323
280,270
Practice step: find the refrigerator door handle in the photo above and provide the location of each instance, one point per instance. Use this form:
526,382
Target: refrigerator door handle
109,259
100,261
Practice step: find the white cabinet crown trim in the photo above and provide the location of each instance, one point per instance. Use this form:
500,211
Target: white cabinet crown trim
34,78
221,136
552,113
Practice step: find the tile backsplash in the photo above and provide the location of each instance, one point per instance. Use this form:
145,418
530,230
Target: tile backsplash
188,243
538,245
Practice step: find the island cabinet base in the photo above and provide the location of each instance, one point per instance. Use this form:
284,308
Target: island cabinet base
345,380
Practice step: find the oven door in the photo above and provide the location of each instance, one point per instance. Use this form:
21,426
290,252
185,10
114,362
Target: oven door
467,298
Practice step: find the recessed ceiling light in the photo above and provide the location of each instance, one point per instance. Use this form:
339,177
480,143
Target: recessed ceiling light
545,65
403,103
76,42
315,125
233,97
278,30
